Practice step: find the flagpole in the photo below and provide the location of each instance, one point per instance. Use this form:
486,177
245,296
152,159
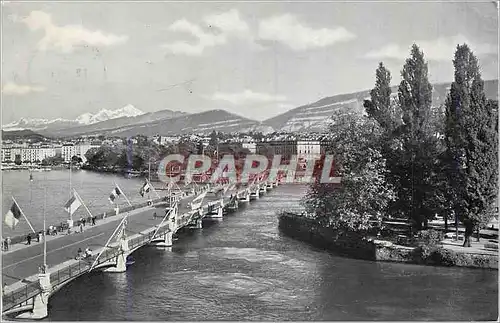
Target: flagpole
44,231
106,245
123,194
159,225
154,189
29,223
81,200
70,187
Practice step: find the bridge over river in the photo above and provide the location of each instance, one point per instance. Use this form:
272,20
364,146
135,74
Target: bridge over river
28,285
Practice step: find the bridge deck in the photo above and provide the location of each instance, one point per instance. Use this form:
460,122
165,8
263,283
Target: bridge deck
20,264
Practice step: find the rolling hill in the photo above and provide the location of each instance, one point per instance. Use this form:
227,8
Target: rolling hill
316,116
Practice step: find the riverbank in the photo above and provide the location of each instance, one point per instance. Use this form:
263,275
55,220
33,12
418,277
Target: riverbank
353,246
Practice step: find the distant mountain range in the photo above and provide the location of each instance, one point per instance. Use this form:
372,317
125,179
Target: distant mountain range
129,121
82,120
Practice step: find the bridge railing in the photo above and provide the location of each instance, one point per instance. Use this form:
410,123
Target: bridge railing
23,294
20,295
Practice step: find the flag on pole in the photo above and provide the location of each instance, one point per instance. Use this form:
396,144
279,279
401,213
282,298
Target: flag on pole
196,203
145,188
115,193
12,217
72,205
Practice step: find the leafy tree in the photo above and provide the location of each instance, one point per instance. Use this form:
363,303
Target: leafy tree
214,139
359,202
387,114
380,107
56,160
419,143
76,160
104,156
471,136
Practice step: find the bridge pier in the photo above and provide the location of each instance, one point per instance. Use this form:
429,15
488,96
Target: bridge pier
40,301
218,214
255,195
121,259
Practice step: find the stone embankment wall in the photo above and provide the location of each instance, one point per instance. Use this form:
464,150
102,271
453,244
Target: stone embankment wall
353,246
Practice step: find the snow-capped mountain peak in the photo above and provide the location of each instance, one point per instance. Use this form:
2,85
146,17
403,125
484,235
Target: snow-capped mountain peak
84,119
105,114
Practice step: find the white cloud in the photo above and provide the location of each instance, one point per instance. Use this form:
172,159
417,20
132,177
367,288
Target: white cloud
246,96
228,22
441,49
11,88
288,30
65,38
219,28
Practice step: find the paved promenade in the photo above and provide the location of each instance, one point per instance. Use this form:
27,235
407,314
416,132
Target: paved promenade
23,260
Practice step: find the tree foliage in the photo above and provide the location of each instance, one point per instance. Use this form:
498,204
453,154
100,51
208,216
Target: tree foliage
359,202
418,159
471,135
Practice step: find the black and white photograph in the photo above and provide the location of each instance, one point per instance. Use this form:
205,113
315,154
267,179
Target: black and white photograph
257,161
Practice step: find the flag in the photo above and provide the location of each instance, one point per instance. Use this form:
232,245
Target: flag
115,193
196,203
145,188
72,205
12,217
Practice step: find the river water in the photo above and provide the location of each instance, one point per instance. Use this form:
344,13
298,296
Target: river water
93,188
242,268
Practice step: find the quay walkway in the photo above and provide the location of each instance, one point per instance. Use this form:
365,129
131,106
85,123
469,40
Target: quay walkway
28,286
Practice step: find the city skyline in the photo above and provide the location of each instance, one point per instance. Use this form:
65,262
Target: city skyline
257,60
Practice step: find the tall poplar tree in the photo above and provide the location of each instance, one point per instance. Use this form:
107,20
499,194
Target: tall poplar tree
386,112
419,141
471,135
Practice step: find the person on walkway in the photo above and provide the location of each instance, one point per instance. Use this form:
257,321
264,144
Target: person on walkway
81,227
8,242
83,221
4,244
79,254
38,236
28,238
154,215
93,219
88,252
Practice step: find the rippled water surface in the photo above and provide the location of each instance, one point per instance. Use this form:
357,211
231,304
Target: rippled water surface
242,268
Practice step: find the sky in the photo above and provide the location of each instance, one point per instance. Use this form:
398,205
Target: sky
255,59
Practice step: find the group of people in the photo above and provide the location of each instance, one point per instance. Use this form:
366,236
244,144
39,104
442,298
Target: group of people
83,222
83,255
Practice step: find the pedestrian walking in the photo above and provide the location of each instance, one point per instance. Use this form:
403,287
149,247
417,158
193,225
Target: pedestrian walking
39,236
8,243
83,221
81,227
93,220
28,238
4,244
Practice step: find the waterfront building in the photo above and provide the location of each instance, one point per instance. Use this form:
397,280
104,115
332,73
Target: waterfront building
68,151
284,146
308,149
252,146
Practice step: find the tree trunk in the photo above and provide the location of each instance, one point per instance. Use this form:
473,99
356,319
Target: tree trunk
456,227
469,230
445,223
477,234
